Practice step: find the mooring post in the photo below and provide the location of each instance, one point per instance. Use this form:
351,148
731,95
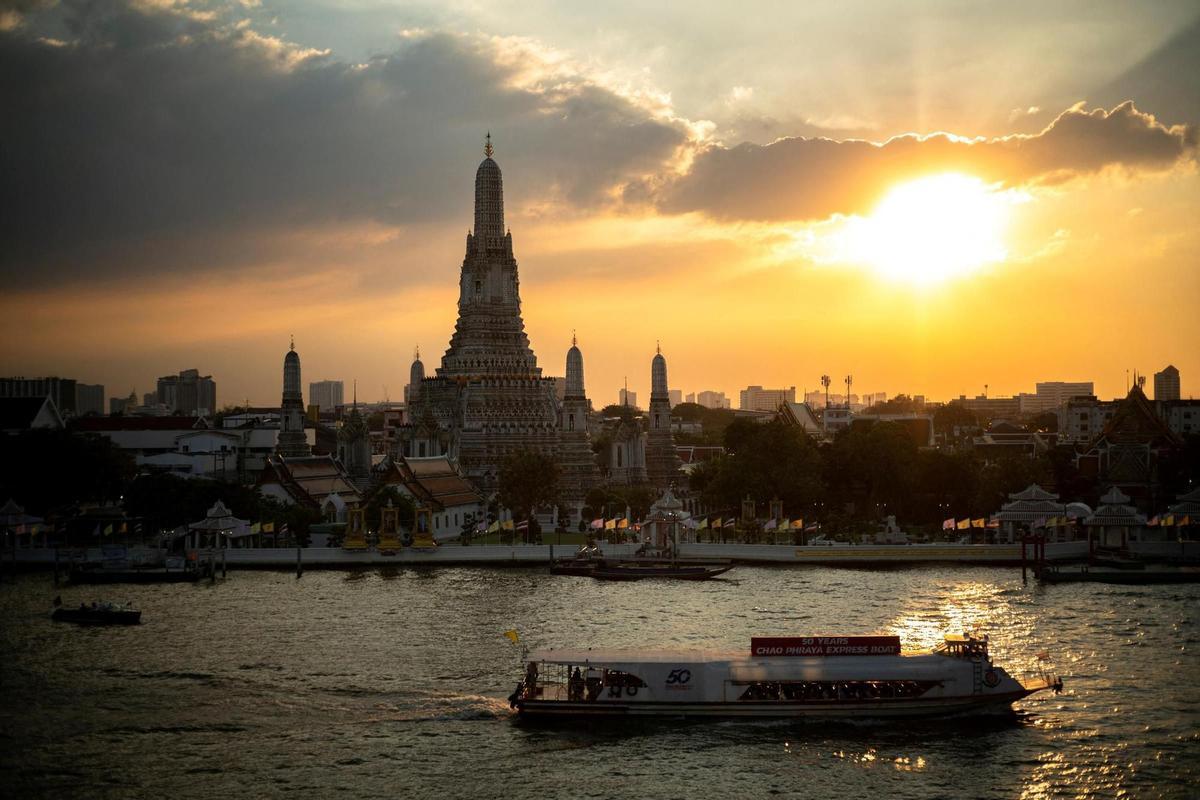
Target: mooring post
224,567
1024,560
56,567
212,567
299,565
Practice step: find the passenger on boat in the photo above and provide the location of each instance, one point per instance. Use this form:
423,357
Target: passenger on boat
594,683
575,685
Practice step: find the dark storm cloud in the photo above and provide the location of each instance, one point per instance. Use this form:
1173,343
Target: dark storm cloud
800,179
131,123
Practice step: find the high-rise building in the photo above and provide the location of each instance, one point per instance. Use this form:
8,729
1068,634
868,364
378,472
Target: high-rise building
189,392
1166,384
756,398
89,399
292,441
328,395
710,399
676,397
60,390
626,398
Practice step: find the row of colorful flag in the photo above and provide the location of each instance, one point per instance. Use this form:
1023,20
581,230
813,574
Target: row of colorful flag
952,524
1169,521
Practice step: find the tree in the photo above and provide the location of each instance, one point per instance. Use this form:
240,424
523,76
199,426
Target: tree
49,472
528,481
952,415
624,412
764,461
379,497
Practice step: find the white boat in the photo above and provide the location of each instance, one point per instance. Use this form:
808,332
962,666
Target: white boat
819,676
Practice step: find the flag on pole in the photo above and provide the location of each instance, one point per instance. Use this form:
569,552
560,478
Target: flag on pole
703,524
812,527
994,522
624,523
963,524
256,528
1041,523
268,527
512,636
508,525
597,524
770,526
978,523
1168,520
108,529
610,525
785,524
798,524
283,529
1184,520
494,527
523,525
948,524
717,524
1153,523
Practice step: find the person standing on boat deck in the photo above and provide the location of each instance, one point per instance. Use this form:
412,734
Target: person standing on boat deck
575,685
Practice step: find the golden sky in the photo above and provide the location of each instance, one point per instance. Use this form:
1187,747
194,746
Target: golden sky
956,197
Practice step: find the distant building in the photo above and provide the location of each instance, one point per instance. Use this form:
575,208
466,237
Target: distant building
60,390
189,392
1182,416
1052,395
626,398
990,407
89,398
1082,418
292,440
150,400
676,397
327,395
1166,384
710,399
123,405
756,398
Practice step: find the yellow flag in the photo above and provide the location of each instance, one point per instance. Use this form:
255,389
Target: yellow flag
624,523
963,524
108,530
717,524
508,525
512,636
785,524
611,525
703,524
977,523
495,526
255,528
798,524
268,527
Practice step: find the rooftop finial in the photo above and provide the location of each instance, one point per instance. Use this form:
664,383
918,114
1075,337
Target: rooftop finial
487,147
293,345
574,341
417,353
658,347
356,393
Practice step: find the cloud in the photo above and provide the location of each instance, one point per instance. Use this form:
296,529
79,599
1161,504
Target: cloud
168,122
815,178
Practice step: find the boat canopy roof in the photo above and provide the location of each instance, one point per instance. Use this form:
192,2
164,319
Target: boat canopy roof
605,656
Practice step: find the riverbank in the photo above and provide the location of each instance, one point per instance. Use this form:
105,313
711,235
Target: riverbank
530,555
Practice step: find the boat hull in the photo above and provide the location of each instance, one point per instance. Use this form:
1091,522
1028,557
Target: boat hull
636,573
91,617
891,709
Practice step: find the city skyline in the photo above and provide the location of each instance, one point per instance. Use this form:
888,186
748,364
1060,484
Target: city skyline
1081,188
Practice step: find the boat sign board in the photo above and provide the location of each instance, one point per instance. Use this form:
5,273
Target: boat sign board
767,646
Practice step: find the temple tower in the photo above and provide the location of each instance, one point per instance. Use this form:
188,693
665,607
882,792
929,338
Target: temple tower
662,462
292,441
416,374
488,398
579,471
354,447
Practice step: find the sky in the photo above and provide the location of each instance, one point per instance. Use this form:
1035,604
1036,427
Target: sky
933,197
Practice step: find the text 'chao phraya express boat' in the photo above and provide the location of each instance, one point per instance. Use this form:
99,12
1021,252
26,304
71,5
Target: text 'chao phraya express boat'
821,676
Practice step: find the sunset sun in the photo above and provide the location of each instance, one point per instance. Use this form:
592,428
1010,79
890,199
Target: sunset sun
931,229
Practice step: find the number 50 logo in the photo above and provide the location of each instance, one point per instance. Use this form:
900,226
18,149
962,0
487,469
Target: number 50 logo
677,676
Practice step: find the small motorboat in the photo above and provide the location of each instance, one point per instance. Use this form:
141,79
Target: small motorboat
98,614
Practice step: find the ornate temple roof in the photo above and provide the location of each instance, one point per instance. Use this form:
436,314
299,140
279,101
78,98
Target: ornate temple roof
291,371
489,197
658,377
1114,510
574,370
1033,492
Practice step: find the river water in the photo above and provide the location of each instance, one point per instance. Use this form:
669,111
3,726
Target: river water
392,684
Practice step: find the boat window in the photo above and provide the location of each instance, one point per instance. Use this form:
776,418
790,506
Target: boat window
831,691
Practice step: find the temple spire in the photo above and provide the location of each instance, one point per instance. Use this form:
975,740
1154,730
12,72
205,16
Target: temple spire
574,341
293,344
487,146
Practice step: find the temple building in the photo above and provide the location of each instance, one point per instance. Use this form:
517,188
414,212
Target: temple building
662,462
489,399
292,441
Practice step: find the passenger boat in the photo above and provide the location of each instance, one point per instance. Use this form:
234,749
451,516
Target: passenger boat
821,676
98,614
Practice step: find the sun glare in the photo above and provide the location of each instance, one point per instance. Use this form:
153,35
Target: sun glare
931,229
